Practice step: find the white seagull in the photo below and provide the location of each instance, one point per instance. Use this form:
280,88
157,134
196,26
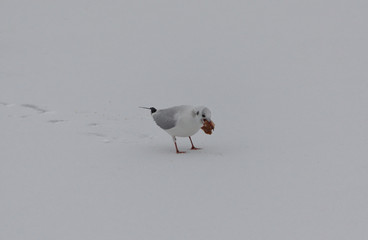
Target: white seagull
181,121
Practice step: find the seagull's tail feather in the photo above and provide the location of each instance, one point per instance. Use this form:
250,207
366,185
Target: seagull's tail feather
150,108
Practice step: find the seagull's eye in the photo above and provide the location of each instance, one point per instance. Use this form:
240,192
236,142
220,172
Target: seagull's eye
203,115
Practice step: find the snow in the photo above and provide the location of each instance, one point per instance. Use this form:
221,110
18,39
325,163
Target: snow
287,86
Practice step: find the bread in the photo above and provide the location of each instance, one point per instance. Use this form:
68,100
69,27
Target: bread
208,127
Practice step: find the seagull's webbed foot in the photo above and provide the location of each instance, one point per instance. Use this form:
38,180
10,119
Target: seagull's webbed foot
193,148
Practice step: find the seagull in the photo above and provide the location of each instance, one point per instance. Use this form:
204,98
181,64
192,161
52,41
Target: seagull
181,121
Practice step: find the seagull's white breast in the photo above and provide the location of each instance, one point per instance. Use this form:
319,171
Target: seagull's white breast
187,124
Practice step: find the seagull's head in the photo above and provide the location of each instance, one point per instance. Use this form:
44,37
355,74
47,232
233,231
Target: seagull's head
203,114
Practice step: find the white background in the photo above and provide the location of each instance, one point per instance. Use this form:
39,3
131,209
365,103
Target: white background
287,84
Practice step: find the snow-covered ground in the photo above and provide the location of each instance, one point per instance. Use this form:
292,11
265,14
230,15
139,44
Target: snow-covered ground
286,81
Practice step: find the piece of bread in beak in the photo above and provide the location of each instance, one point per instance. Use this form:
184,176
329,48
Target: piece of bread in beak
208,127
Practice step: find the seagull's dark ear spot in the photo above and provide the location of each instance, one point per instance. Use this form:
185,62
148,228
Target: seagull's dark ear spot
197,112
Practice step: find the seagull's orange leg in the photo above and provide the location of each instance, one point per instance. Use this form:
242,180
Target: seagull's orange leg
193,148
177,150
176,146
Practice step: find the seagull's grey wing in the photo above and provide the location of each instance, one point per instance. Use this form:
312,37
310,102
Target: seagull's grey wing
166,118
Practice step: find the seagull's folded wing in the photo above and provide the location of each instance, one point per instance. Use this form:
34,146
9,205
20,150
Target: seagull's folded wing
165,118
